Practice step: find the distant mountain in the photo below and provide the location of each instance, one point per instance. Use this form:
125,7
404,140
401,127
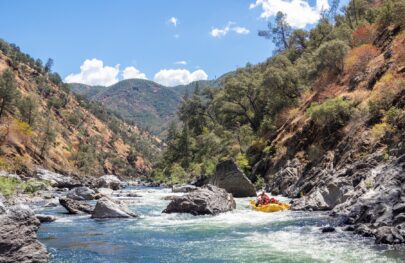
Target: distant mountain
149,104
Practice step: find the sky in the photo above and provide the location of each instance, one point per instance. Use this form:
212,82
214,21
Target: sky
171,42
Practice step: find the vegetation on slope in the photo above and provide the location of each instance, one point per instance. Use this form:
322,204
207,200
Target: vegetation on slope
319,81
43,124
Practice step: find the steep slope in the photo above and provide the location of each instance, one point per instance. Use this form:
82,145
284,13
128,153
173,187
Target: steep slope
45,125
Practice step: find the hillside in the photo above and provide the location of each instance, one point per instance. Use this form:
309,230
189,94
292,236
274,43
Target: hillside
322,121
145,102
44,125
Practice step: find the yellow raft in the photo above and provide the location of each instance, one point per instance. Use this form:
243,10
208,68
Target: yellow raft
269,207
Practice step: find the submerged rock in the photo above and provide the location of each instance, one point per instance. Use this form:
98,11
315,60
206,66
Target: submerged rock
183,188
45,218
109,181
75,207
229,177
18,239
108,208
208,200
81,193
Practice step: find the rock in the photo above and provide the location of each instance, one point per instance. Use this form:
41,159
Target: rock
3,208
208,200
57,180
328,229
169,197
363,230
229,177
45,218
75,207
389,235
109,181
52,203
81,193
108,208
18,239
183,188
348,228
9,175
200,181
105,191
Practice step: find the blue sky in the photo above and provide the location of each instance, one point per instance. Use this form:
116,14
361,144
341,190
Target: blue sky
207,38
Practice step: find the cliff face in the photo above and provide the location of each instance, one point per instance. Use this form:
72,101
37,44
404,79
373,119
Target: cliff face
62,133
354,167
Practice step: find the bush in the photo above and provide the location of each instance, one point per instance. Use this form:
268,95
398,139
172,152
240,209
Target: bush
358,58
363,35
330,55
392,115
333,112
177,174
259,184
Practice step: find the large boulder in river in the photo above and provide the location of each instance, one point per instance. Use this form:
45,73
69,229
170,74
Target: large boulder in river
81,193
57,180
208,200
75,207
232,179
108,208
109,181
18,238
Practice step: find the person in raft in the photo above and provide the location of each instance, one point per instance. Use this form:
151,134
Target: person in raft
264,199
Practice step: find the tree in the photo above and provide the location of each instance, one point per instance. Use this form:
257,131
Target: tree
49,65
331,54
28,108
8,91
279,33
48,136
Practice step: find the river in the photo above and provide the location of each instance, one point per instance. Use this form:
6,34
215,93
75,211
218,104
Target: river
242,235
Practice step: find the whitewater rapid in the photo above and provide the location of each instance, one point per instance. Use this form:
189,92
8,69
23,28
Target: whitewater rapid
242,235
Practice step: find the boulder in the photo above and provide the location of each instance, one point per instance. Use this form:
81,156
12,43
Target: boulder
183,188
200,180
18,238
75,207
45,218
109,181
2,204
208,200
105,191
81,193
328,229
389,235
229,177
57,180
108,208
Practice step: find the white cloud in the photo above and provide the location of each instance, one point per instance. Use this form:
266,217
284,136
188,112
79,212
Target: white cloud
181,62
133,73
173,21
93,72
173,77
220,32
299,12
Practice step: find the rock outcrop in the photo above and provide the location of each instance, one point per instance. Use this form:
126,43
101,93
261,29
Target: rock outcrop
229,177
208,200
76,207
57,180
108,208
18,239
109,181
81,193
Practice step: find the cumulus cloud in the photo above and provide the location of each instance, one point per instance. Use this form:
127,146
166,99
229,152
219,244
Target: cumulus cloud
229,27
299,12
173,77
173,21
181,62
133,73
93,72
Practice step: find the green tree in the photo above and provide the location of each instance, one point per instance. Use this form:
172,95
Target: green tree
8,91
330,55
279,33
28,108
48,65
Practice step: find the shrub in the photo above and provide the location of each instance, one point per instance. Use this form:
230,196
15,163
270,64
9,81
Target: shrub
331,112
23,128
392,115
259,183
330,55
243,162
177,174
363,35
358,58
378,131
